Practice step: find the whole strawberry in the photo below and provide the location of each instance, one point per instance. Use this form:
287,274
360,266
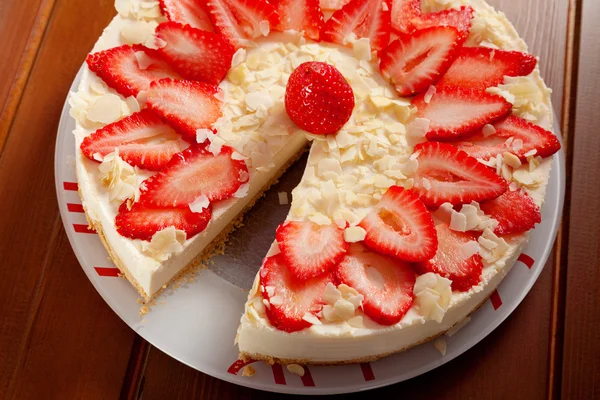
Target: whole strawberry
318,98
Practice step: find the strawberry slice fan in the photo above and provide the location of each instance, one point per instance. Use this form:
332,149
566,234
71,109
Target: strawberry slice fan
459,193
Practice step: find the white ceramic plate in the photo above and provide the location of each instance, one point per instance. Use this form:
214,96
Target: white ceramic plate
182,325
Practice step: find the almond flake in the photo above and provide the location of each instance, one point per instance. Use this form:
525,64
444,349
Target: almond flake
242,191
296,369
356,322
354,234
311,319
440,345
488,130
198,205
458,222
276,300
430,92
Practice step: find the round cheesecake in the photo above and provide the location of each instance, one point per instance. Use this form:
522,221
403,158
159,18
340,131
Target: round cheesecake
151,147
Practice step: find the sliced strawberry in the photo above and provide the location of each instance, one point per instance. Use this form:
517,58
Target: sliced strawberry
120,69
187,12
403,12
142,222
239,20
386,283
533,137
142,138
516,212
193,173
311,250
186,105
300,15
458,18
332,5
446,174
364,18
450,261
197,55
290,299
457,112
401,226
416,61
483,67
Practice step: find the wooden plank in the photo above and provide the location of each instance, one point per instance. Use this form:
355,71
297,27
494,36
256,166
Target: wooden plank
58,338
22,25
523,340
581,364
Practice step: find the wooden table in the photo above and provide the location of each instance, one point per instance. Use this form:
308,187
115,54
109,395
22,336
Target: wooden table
58,339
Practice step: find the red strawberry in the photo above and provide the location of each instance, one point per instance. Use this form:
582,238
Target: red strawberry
197,55
193,173
457,112
290,299
415,61
401,226
482,67
386,283
310,250
239,20
318,98
446,174
119,68
332,5
186,105
516,212
533,137
142,138
142,222
458,18
364,18
450,261
187,12
403,12
300,15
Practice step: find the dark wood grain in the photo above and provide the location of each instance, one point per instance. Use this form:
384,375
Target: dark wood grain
22,26
57,336
581,351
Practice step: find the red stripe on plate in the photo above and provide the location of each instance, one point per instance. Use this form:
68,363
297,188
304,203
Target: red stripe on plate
238,365
70,186
278,374
104,271
367,371
81,228
525,259
496,300
307,379
76,208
